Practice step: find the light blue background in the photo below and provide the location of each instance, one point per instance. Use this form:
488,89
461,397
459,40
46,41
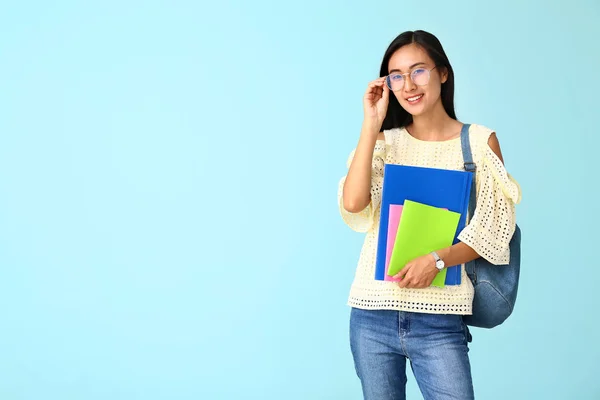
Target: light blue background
168,175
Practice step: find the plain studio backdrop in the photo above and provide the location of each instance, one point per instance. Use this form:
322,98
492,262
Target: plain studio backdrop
168,178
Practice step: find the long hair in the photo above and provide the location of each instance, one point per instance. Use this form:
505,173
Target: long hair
397,116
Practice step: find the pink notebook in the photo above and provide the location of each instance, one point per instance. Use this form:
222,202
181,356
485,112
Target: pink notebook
394,221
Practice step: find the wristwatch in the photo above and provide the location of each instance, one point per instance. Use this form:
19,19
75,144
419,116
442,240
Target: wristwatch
439,263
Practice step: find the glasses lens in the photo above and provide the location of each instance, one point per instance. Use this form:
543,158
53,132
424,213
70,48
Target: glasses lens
420,76
395,82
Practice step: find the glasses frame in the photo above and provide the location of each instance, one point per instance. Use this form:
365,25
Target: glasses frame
388,83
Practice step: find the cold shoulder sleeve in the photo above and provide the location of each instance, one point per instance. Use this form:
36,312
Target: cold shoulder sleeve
362,221
493,223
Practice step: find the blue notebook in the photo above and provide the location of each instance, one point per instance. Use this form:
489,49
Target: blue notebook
436,187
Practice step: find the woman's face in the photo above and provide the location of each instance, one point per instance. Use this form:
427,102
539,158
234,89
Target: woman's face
418,90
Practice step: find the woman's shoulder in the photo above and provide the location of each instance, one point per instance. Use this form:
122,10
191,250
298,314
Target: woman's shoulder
390,139
388,134
480,132
492,166
484,139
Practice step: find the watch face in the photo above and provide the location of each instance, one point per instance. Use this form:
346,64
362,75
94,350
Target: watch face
439,264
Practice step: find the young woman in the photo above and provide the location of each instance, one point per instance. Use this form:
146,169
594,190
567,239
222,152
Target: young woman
409,119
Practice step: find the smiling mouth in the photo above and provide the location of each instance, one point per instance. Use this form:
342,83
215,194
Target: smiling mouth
415,99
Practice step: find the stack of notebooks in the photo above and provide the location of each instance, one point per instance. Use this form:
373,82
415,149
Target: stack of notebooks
422,210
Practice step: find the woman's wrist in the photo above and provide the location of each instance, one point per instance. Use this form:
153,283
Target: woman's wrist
371,126
457,254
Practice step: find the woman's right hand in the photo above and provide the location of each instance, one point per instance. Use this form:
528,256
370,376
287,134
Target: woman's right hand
375,101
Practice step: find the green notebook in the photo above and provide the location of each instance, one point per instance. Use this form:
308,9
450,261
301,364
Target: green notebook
422,229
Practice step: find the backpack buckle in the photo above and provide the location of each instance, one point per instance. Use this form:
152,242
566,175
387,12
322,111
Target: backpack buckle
470,166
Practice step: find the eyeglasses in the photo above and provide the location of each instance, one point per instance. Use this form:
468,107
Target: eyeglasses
419,77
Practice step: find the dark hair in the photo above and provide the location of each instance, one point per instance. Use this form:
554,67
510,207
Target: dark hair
396,115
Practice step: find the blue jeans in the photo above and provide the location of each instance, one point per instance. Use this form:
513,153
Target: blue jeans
435,345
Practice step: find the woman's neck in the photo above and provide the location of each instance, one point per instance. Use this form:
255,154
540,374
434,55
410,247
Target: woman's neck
434,126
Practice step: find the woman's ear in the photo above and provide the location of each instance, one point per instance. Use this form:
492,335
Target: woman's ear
444,76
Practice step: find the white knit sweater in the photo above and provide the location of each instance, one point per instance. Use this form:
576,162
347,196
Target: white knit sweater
488,232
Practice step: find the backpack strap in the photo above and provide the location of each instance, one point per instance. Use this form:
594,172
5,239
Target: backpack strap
470,166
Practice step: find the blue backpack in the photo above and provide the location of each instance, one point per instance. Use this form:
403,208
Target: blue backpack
495,285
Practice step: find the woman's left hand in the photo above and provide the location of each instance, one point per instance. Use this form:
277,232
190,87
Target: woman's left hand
418,273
